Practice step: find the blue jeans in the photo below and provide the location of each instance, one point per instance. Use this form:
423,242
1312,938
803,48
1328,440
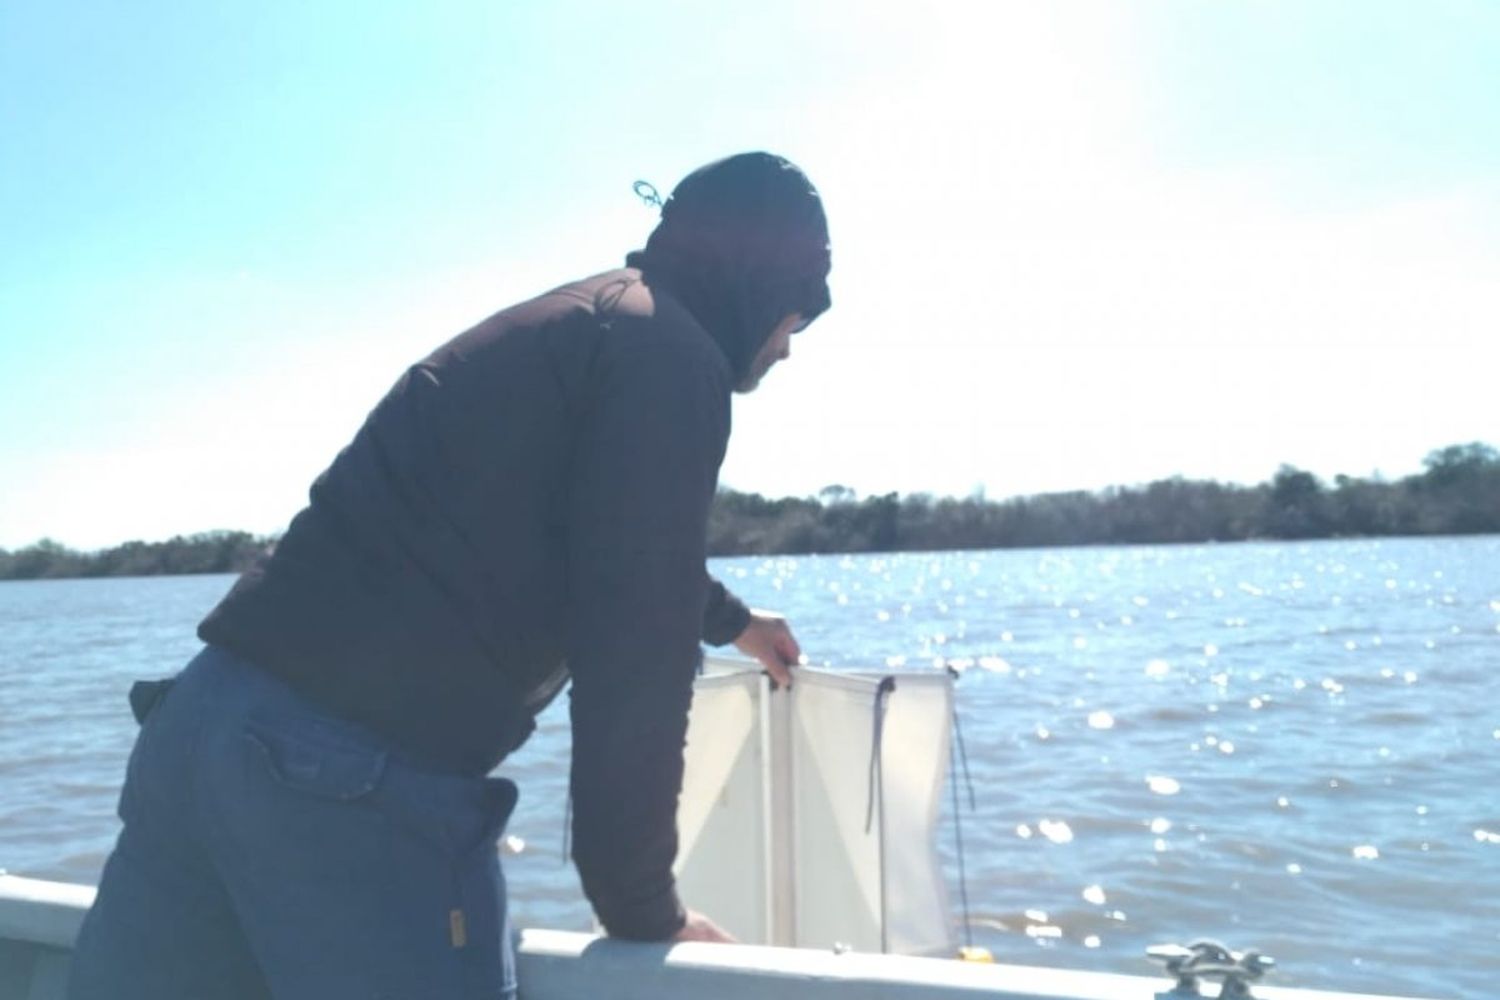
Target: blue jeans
270,850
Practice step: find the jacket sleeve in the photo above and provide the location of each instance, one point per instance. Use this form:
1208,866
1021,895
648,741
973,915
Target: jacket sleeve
724,617
645,463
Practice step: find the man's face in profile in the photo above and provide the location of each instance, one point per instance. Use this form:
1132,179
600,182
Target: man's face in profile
778,347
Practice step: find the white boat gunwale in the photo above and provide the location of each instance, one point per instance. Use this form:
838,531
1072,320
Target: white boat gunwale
44,917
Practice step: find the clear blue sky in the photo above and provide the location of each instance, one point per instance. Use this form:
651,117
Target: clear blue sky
1074,244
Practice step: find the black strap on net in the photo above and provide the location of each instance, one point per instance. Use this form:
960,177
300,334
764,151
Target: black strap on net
882,691
876,794
954,760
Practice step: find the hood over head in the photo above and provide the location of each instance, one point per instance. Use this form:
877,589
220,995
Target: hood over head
742,243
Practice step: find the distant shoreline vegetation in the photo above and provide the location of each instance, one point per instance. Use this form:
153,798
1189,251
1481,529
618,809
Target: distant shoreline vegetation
1458,493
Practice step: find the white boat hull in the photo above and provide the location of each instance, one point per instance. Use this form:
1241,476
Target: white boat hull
39,922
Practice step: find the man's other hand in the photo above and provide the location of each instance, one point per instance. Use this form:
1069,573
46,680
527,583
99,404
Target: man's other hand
768,638
700,928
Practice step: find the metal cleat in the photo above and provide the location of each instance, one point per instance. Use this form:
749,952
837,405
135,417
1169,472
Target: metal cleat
1204,959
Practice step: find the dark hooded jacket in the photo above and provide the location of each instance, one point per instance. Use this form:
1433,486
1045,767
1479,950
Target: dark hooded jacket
530,503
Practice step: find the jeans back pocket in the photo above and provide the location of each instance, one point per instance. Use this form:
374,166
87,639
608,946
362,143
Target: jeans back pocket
311,758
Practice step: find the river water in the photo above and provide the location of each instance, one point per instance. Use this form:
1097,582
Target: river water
1293,747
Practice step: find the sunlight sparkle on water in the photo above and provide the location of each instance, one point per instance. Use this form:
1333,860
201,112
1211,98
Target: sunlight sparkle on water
1160,825
1158,668
1056,831
1366,852
1163,785
1487,837
1094,894
1101,720
1092,941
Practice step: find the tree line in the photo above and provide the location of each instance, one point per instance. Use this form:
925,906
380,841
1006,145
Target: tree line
1457,493
209,552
